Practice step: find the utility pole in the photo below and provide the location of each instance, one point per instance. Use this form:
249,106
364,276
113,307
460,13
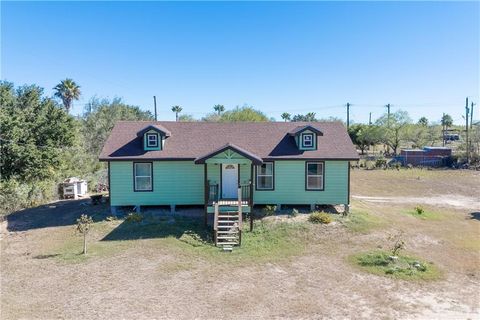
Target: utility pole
443,129
155,106
471,114
388,114
466,128
348,115
370,119
388,122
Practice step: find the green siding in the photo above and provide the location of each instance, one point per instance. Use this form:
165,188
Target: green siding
182,183
290,185
244,173
174,182
213,173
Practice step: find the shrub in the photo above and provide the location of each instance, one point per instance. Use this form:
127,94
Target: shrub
320,217
294,212
134,217
380,163
17,195
269,210
419,210
397,243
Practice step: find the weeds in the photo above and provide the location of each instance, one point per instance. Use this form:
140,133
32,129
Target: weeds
320,217
404,267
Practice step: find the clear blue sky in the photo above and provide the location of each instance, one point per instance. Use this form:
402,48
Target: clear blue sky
422,57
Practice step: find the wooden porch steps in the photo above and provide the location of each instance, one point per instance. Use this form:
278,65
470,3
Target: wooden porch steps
227,227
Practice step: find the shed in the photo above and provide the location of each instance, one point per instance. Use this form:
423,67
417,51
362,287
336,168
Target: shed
428,156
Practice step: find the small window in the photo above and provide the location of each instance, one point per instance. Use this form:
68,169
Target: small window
314,175
265,176
142,175
307,140
152,140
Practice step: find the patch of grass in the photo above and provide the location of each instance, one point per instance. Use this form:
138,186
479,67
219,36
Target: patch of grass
361,221
188,238
267,242
423,214
68,247
403,267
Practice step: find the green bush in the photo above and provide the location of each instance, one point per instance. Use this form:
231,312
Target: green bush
269,210
134,217
320,217
419,210
16,195
380,163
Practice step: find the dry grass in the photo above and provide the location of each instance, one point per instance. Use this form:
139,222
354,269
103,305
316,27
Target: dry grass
287,270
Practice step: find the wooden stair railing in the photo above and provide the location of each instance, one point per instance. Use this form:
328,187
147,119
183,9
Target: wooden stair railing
227,224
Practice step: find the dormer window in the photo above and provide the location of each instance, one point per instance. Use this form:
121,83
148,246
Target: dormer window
307,140
153,137
306,137
152,140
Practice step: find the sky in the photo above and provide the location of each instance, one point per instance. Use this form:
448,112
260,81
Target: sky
422,57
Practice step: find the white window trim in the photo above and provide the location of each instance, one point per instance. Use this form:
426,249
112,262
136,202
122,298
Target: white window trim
152,143
135,176
309,135
315,175
259,175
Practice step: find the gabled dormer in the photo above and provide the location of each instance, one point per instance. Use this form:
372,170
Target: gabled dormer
306,137
154,137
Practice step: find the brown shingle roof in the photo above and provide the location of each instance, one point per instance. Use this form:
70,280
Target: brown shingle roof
190,140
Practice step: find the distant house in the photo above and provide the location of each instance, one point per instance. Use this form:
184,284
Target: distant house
204,163
428,156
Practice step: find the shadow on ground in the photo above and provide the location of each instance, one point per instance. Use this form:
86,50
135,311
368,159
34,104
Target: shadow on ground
161,227
475,215
57,214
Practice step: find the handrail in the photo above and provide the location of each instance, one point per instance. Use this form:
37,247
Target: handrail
215,218
213,194
239,191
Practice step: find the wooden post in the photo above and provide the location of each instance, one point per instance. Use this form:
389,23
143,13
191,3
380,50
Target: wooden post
215,222
205,172
239,207
251,197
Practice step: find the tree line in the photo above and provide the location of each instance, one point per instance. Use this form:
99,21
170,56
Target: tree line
41,143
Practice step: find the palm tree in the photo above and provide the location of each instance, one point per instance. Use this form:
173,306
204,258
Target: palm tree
177,110
67,90
286,116
219,108
423,121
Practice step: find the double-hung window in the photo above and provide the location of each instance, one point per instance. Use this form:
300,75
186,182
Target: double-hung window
142,176
265,176
152,140
307,140
314,172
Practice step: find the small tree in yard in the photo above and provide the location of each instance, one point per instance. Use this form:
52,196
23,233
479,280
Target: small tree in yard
397,243
84,223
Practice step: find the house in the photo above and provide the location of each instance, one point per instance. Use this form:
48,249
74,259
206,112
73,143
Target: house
228,164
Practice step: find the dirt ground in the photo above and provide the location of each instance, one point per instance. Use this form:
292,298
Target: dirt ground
155,278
